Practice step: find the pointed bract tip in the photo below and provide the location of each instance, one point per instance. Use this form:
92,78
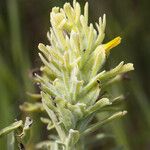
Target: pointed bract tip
124,112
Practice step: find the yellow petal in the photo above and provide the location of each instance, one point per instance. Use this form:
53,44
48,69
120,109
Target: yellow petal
113,43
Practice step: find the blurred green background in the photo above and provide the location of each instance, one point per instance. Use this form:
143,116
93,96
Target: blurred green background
24,23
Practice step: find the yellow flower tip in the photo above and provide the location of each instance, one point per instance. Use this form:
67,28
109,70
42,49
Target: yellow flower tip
113,43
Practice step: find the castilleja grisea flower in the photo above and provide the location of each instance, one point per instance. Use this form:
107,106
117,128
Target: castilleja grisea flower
73,76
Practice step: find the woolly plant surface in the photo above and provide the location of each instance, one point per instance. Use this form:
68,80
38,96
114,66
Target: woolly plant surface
74,78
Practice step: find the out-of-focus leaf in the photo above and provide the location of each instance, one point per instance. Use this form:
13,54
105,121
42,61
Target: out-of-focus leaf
12,127
31,107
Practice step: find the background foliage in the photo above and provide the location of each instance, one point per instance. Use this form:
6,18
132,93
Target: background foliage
24,23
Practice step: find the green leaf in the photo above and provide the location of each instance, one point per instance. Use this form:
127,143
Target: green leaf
67,118
98,105
73,137
11,127
31,107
